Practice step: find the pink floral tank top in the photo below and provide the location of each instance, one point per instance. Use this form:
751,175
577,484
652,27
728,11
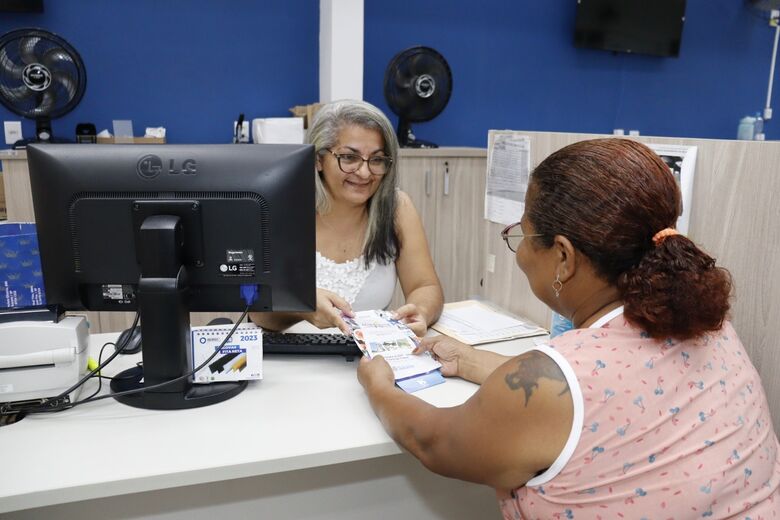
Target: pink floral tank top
661,430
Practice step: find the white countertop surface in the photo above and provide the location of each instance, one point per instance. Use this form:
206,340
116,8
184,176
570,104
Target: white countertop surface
308,411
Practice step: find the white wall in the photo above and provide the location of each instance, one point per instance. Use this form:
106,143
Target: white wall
341,49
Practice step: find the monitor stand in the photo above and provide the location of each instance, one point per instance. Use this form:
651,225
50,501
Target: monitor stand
165,327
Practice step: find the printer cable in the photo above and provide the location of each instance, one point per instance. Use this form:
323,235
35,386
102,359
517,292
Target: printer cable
58,402
171,381
249,293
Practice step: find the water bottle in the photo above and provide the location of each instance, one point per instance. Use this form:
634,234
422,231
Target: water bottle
747,128
758,128
559,325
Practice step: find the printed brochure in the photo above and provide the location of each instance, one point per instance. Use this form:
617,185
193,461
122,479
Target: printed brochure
378,334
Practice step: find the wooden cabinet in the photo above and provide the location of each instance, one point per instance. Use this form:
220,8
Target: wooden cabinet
447,186
16,185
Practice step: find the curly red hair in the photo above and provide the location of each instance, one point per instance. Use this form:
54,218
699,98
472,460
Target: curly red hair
609,197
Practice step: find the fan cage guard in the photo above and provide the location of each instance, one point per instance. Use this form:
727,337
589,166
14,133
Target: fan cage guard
41,74
401,85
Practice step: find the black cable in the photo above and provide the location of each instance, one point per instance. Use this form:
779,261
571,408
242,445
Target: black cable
248,292
97,369
171,381
58,403
99,377
56,406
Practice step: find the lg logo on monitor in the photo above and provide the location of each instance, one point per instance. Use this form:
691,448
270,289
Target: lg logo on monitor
151,166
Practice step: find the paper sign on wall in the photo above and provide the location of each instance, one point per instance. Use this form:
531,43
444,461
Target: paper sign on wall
681,161
509,165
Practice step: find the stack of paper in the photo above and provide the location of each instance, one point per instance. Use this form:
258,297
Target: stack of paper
474,323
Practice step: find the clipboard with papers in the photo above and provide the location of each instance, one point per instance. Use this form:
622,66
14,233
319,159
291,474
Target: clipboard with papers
474,322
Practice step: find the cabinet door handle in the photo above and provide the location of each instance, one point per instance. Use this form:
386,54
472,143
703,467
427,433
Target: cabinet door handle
446,178
428,183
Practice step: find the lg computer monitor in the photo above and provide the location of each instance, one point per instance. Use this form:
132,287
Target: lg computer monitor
169,229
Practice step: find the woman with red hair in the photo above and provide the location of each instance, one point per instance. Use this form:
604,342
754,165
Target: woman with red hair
648,408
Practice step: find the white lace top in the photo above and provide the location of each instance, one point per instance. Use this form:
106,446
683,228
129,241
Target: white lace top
364,289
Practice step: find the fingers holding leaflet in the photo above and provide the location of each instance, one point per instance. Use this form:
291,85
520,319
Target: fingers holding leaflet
375,373
411,316
341,304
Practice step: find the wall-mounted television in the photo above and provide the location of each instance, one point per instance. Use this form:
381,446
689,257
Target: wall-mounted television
21,6
635,26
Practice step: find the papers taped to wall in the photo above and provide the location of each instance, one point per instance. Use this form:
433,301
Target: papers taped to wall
509,166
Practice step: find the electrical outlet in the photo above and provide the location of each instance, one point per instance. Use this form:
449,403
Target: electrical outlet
13,131
490,262
244,137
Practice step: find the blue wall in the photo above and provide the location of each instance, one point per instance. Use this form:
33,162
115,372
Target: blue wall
189,65
193,65
514,66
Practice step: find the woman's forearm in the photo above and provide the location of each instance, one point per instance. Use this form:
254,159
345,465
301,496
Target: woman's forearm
406,419
429,301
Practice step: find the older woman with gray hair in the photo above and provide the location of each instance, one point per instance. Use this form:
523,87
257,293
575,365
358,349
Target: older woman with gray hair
368,232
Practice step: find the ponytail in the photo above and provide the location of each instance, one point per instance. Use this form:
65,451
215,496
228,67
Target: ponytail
676,291
617,201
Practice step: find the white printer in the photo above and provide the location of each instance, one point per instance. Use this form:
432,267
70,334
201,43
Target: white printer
40,359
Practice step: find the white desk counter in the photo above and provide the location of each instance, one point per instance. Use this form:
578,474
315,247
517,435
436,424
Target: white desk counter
286,438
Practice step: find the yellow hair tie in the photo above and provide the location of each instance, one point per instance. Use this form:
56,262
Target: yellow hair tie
661,235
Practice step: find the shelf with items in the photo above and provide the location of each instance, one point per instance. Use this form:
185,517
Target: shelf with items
136,140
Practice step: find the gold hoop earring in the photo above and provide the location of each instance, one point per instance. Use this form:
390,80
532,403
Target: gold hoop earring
557,285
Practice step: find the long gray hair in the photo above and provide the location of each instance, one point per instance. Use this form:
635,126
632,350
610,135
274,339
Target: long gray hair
381,241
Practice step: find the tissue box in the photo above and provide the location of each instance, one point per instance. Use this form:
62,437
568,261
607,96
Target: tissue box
278,130
21,277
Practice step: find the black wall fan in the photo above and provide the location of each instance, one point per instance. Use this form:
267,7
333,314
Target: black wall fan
418,84
41,77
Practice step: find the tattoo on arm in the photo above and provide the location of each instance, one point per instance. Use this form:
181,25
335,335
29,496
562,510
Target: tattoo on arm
530,368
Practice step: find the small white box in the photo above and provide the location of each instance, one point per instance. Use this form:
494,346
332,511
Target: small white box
278,130
13,131
240,359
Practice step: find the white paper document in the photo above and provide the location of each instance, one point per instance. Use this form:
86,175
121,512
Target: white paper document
509,166
681,161
473,322
377,334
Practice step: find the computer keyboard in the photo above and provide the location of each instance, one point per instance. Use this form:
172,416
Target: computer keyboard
310,344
